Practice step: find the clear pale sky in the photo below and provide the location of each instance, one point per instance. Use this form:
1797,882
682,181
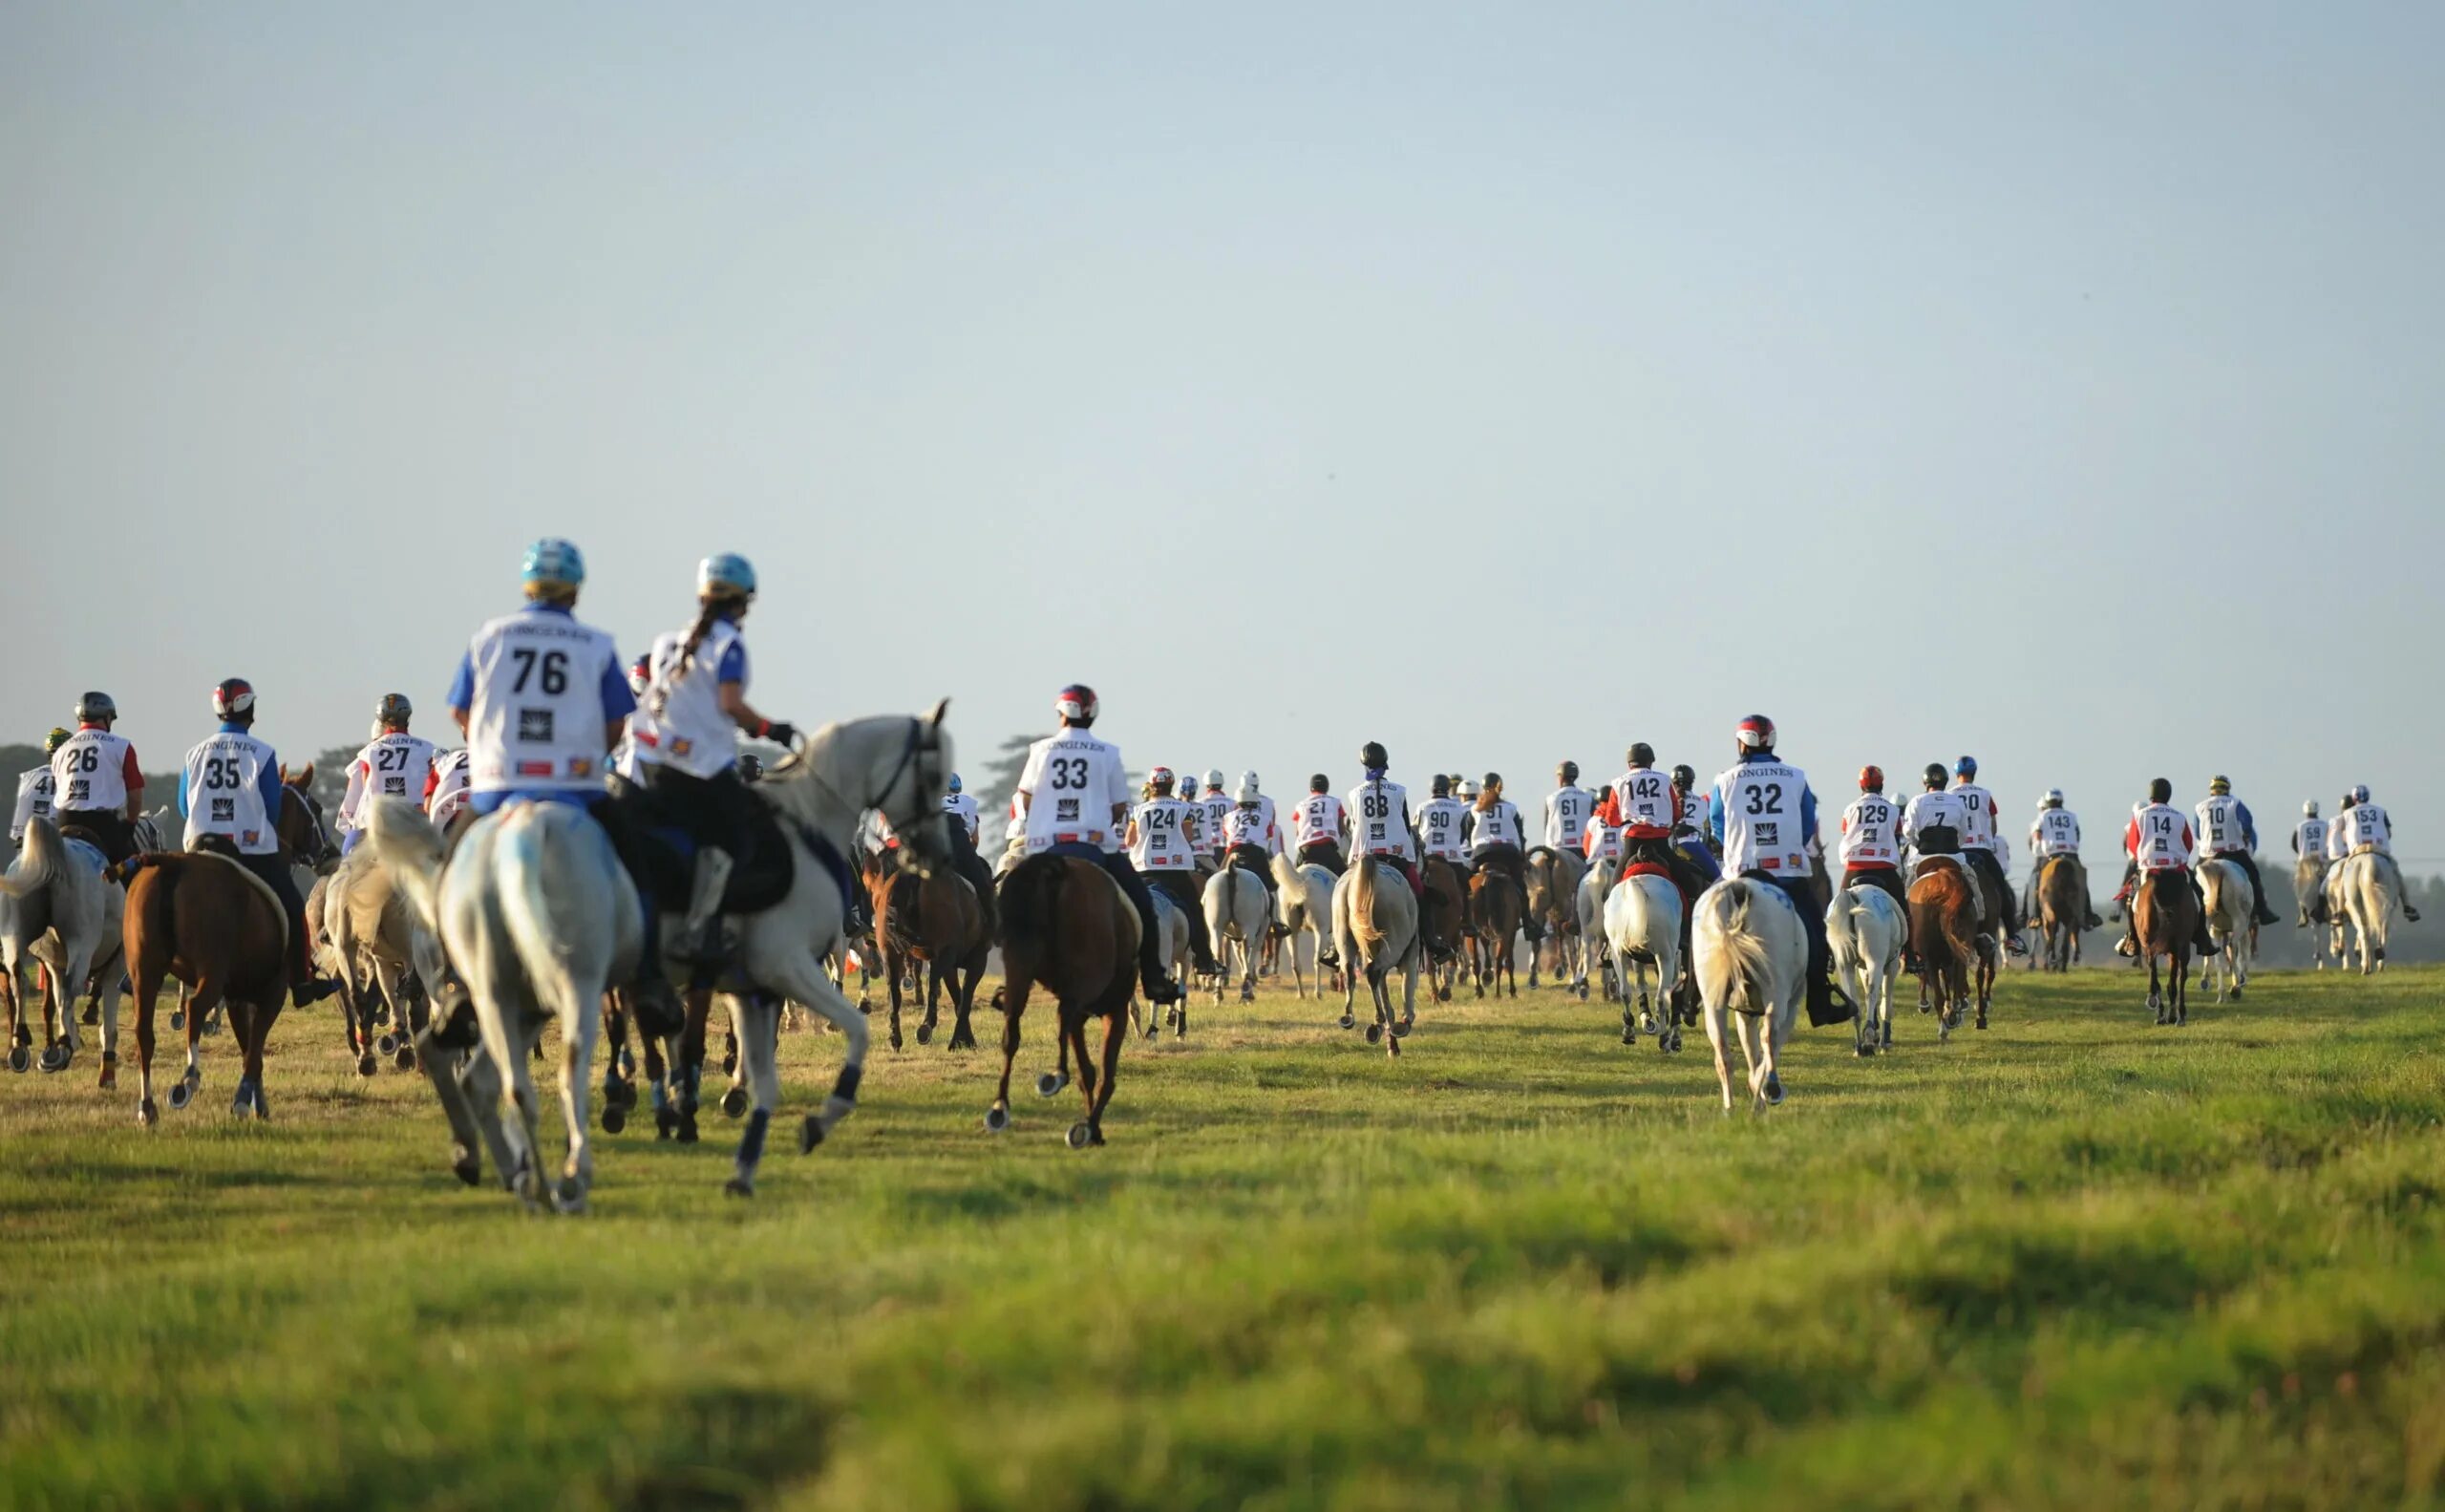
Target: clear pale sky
2058,384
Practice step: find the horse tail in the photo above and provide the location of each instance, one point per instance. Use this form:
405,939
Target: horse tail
43,857
1739,958
1362,905
405,840
526,893
1028,898
1842,923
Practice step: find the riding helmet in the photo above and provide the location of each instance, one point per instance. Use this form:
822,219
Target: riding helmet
2219,784
2161,789
95,709
727,576
1871,778
1441,786
2359,793
1685,777
1320,783
1214,779
1568,772
553,563
2053,798
1494,779
59,737
1372,755
1642,753
953,785
1076,703
1756,732
2309,810
1161,779
234,698
394,709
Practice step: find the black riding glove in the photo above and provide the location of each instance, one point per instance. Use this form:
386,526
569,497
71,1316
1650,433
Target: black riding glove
782,733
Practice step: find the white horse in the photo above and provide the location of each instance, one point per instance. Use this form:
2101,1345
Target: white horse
2371,886
1751,957
1235,914
1173,942
57,912
1642,929
540,917
369,932
1865,929
2308,889
1375,928
1306,908
2229,898
1592,889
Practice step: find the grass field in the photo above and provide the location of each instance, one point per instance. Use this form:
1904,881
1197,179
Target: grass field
2072,1261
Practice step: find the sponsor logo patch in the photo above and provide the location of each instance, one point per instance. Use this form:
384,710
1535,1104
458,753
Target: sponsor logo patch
535,726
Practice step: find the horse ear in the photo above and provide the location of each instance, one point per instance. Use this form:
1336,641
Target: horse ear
941,708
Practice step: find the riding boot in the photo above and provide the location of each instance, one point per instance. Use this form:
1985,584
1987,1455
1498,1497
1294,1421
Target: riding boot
699,932
1200,941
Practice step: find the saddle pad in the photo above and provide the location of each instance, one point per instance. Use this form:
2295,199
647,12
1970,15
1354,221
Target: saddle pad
1648,869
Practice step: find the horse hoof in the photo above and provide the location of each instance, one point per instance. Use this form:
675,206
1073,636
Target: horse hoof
1773,1092
148,1113
1350,1021
110,1073
56,1059
734,1102
365,1064
1630,1036
193,1075
1049,1085
925,1034
404,1058
1401,1030
1676,1042
569,1196
687,1128
181,1093
739,1186
242,1104
385,1045
895,1044
1079,1135
19,1057
177,1018
1865,1052
730,1058
1374,1033
615,1118
810,1135
997,1119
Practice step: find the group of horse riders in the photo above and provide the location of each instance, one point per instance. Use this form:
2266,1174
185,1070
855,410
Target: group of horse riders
550,713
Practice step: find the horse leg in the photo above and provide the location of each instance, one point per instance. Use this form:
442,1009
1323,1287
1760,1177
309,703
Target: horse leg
446,1071
205,998
266,1014
933,992
1718,1031
755,1018
514,1056
580,1016
1014,1003
148,991
894,963
1756,1048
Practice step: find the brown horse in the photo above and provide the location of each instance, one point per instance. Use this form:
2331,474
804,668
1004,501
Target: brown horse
1443,924
1553,877
1944,930
305,839
2062,913
203,919
937,920
1496,911
2165,916
1066,928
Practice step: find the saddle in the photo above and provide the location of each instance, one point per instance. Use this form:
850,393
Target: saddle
662,854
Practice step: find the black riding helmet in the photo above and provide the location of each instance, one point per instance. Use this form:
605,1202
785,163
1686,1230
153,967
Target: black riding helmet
1441,786
2160,791
1685,777
1372,754
1568,772
1643,753
1320,783
1935,775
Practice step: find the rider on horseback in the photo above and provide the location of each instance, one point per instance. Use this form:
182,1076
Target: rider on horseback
230,788
1567,809
96,785
1765,814
687,754
2366,829
1248,834
961,806
1383,809
1319,825
1644,807
2227,832
1978,841
1163,846
393,764
1084,793
1870,849
2056,833
2160,838
36,788
541,700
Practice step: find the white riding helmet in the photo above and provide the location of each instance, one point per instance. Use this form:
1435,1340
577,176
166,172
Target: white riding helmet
1248,780
2053,798
1468,787
1248,788
2310,810
1214,779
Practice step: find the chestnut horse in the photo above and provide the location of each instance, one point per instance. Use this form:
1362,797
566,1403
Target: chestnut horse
1442,923
2062,913
200,918
1953,958
1066,928
2165,916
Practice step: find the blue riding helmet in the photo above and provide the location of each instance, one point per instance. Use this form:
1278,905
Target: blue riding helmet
954,784
727,575
1966,766
554,562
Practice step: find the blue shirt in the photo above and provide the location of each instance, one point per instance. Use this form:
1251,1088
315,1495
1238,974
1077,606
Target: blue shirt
1807,802
617,702
267,780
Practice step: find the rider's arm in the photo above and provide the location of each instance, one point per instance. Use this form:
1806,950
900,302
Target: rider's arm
134,778
267,782
354,795
731,676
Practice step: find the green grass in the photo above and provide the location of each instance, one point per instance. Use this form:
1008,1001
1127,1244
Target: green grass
2072,1261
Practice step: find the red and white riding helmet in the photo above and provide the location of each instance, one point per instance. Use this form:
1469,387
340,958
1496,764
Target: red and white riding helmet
1077,702
234,696
1161,779
1871,778
1756,732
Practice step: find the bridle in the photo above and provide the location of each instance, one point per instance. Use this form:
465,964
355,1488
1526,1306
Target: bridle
922,751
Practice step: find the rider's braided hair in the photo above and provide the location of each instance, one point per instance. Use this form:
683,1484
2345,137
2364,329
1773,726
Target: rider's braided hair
709,611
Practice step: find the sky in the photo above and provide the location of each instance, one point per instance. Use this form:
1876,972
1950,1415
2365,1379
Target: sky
2058,385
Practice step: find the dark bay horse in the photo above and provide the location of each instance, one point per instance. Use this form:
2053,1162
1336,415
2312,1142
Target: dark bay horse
2165,917
206,921
1443,923
2062,913
936,920
1068,929
1496,912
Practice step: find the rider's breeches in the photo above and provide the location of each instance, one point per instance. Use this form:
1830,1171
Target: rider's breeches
275,875
1180,886
1985,863
1322,853
717,810
1812,919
